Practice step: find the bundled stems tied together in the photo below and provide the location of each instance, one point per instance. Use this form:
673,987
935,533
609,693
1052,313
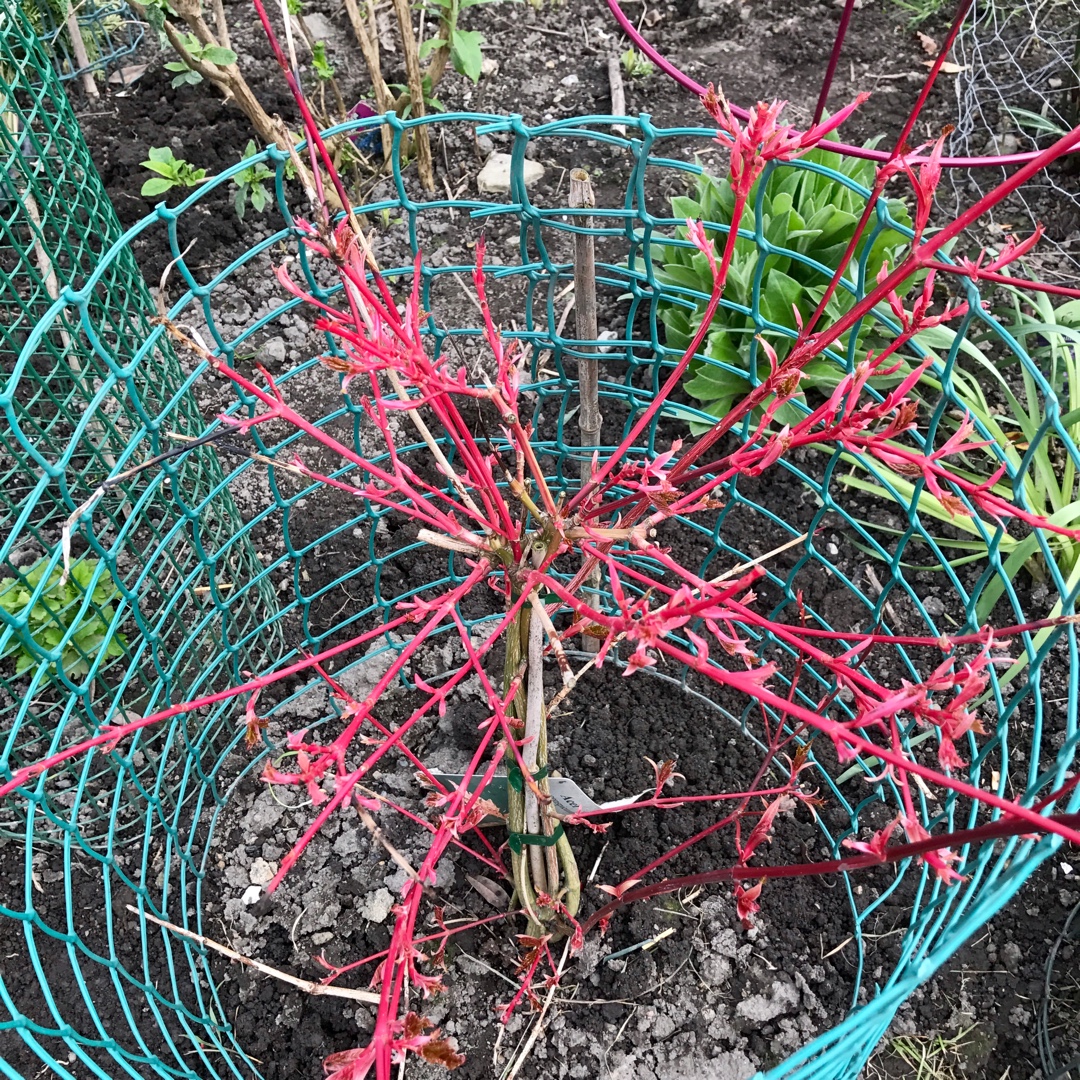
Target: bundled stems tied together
547,869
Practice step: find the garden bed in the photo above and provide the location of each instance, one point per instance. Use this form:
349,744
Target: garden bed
708,998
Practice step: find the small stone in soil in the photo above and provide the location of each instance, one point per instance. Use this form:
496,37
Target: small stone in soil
933,605
1011,956
251,895
272,354
261,872
377,905
762,1008
494,177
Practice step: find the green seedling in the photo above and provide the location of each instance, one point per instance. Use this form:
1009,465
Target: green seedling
251,184
212,54
637,65
171,172
323,68
75,611
465,45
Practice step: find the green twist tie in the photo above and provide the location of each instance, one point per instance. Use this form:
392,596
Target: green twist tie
517,781
519,840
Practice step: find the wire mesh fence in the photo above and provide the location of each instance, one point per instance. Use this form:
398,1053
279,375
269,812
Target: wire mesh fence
134,623
1018,89
338,568
106,34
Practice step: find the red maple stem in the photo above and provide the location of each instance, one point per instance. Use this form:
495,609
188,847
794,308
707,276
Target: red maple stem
1004,827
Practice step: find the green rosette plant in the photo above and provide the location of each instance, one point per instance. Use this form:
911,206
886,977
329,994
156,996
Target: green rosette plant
809,218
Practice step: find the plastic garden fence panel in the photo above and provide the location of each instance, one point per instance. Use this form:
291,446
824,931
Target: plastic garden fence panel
110,32
164,594
166,986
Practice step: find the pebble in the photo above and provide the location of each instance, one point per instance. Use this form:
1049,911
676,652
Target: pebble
322,937
607,335
1010,956
322,29
261,872
570,80
489,67
934,605
494,177
376,906
273,353
251,895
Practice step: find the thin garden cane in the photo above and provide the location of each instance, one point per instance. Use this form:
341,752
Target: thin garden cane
78,47
589,418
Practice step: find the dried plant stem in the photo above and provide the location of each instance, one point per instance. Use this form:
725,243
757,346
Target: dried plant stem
369,48
227,79
589,419
316,989
222,24
538,1026
618,94
436,450
78,47
416,93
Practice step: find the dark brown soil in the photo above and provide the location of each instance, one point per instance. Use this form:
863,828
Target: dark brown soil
774,48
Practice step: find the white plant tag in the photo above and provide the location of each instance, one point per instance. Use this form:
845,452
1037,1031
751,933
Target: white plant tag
566,796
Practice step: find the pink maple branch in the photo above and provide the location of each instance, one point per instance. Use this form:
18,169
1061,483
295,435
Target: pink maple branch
1000,829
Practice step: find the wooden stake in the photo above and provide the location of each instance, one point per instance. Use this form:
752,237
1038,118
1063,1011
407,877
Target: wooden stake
618,95
416,93
78,47
589,418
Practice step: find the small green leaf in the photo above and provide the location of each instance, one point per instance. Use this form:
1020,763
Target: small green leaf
430,46
162,168
218,55
465,53
157,185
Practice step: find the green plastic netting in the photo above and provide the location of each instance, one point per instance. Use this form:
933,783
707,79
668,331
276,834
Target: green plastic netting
164,986
138,623
109,31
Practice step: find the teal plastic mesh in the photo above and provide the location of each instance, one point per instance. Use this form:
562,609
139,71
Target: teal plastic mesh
138,625
110,32
163,985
